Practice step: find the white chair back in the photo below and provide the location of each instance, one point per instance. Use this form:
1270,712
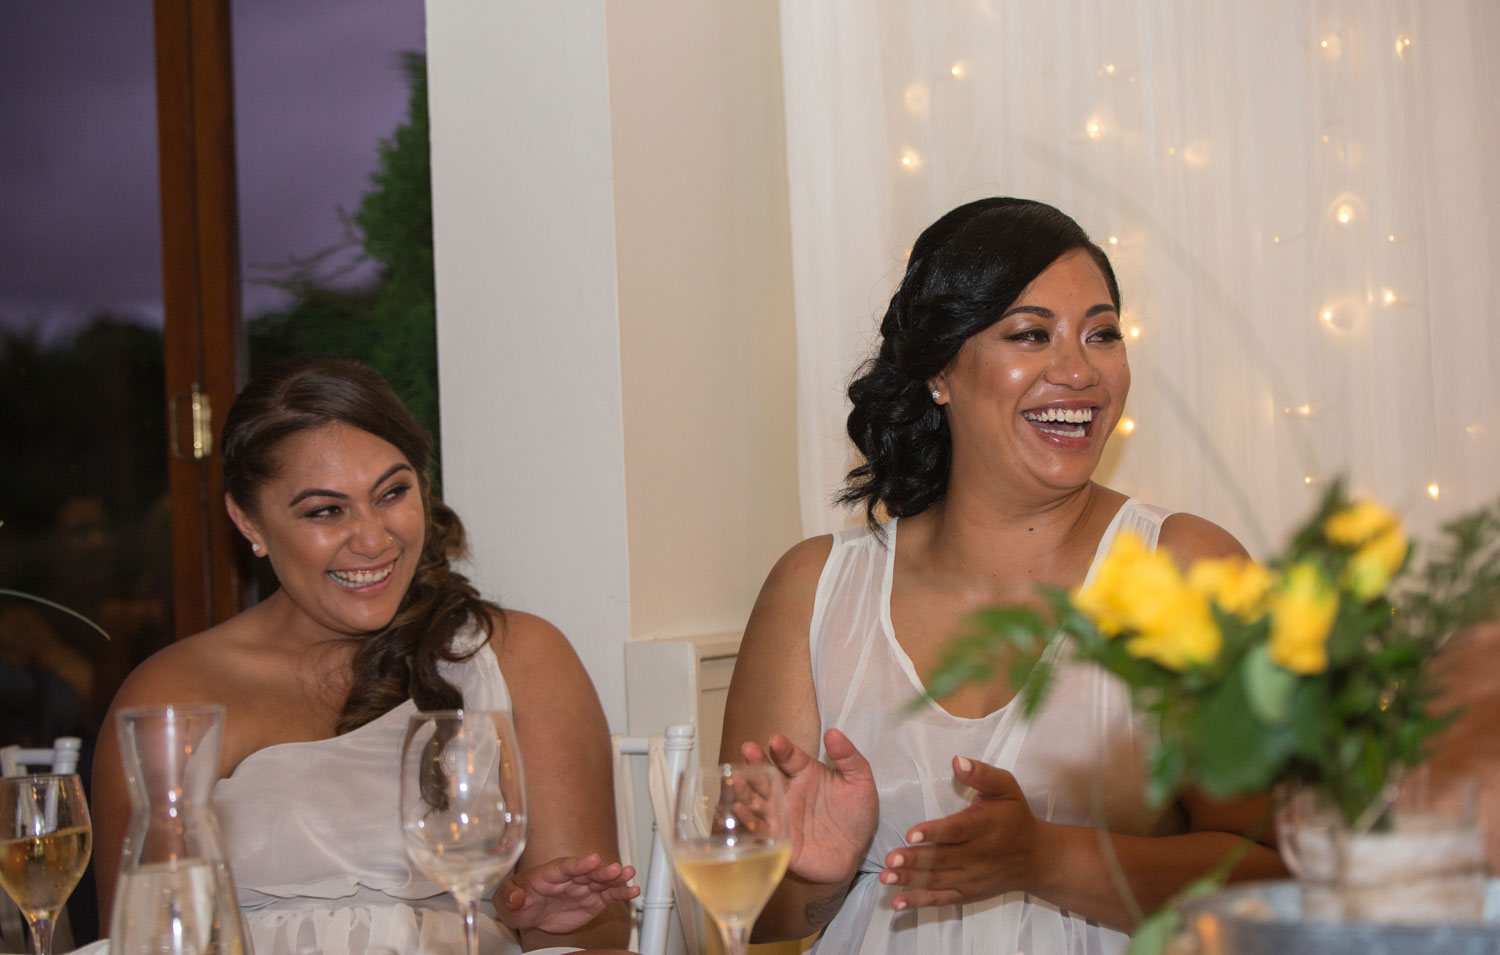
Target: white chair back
61,758
666,757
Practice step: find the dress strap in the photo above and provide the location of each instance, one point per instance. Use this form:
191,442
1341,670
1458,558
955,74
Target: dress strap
1141,519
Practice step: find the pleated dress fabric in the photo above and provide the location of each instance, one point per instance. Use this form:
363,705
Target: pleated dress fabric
1079,759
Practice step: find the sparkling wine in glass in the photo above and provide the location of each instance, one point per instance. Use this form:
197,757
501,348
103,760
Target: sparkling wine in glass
463,803
45,841
730,843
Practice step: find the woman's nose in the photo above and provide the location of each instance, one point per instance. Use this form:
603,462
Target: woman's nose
1071,366
370,537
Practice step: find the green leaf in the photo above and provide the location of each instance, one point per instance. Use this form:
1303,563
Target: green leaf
1268,687
1154,932
1235,755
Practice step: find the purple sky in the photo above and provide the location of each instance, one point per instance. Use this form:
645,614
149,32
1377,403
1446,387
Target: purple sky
317,86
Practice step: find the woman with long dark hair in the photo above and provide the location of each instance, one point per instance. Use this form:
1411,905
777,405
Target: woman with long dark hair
964,826
328,478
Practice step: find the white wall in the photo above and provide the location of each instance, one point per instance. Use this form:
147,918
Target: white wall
615,331
528,342
708,354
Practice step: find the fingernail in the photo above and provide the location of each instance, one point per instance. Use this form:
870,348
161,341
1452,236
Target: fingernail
964,766
917,836
898,860
889,878
900,904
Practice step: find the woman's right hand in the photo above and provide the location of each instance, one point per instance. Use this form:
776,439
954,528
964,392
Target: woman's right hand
833,809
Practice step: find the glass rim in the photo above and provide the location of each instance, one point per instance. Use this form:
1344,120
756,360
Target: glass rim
22,777
459,713
169,710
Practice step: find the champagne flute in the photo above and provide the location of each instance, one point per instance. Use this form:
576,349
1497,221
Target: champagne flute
463,803
730,843
45,841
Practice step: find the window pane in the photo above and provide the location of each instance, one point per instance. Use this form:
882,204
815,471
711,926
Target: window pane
335,261
82,427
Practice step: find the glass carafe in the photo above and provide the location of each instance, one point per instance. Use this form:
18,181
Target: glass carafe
175,895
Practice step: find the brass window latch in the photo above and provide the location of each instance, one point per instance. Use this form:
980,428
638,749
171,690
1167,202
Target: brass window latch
202,424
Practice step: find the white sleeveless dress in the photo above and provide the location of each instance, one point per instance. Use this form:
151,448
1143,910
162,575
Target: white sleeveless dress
313,835
1083,749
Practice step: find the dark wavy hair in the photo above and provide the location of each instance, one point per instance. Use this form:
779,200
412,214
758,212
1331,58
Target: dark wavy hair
965,270
399,662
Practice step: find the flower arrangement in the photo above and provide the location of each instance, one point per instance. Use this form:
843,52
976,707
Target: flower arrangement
1310,668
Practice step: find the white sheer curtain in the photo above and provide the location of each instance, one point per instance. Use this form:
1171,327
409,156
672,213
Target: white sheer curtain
1299,197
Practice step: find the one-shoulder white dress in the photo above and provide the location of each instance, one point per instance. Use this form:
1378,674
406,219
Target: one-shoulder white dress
1080,757
313,835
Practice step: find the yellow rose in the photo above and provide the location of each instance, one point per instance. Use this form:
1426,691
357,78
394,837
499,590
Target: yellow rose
1184,635
1302,612
1144,593
1373,565
1358,522
1237,585
1106,599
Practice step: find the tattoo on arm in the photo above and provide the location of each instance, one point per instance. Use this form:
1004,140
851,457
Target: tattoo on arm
820,912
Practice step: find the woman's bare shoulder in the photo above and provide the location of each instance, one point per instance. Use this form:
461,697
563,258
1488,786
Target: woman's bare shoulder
533,641
801,566
1190,538
194,669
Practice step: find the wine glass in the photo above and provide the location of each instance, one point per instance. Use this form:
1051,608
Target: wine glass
730,843
45,841
463,803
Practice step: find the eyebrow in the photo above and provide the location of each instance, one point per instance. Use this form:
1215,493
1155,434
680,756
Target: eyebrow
324,492
1041,312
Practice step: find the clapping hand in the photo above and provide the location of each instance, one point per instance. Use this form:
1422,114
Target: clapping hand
833,809
563,895
978,852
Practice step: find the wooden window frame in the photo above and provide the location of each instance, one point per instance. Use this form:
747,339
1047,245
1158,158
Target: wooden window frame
201,297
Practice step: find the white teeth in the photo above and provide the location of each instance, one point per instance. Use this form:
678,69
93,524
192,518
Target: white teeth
1070,415
360,578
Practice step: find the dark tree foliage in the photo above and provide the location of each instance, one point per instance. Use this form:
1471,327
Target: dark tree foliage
390,325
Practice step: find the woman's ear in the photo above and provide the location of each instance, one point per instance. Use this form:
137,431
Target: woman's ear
938,386
246,525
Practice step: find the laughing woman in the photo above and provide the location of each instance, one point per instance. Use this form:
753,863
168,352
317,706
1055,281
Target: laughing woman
965,826
328,479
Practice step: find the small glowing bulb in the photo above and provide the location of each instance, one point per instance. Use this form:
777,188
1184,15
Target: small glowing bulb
1327,314
1094,130
1345,214
1325,137
1171,150
1127,425
1391,237
1389,297
958,69
1275,240
1304,410
1109,67
911,160
1331,47
1308,479
1324,44
1114,240
1135,331
1432,491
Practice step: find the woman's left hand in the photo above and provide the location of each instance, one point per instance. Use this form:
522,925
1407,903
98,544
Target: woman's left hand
976,853
563,895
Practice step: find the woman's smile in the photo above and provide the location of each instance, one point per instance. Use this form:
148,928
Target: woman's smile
362,579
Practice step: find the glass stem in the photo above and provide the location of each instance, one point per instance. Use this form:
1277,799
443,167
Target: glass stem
736,936
471,929
41,933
